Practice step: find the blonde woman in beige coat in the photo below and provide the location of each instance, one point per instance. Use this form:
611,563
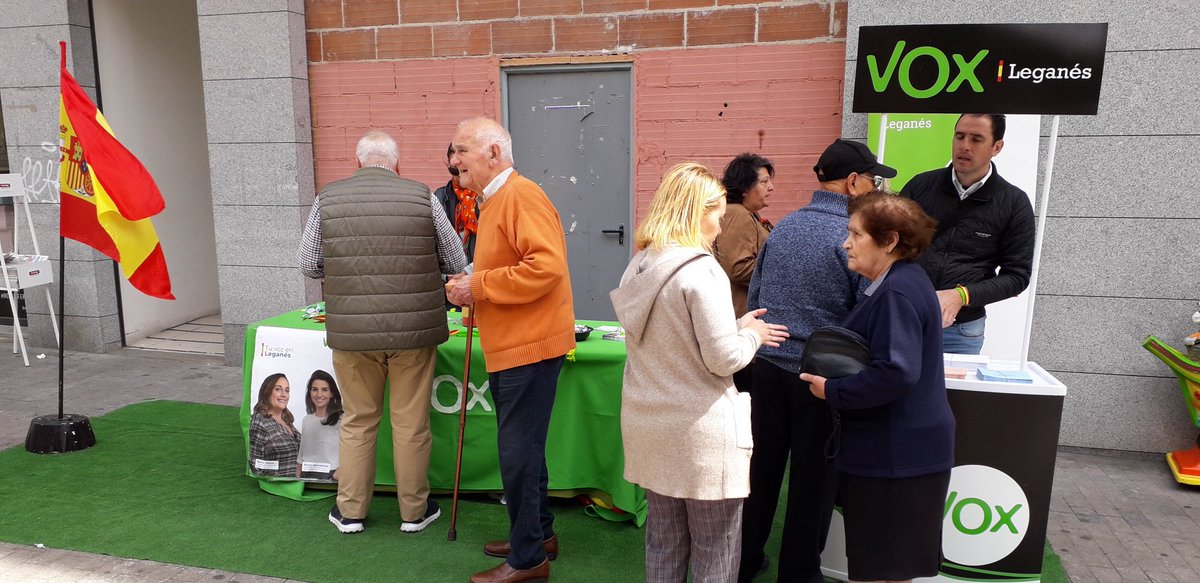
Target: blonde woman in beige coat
685,428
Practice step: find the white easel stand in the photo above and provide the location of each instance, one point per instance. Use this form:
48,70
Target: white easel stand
11,186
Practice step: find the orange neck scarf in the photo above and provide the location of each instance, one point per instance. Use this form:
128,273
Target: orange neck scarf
465,220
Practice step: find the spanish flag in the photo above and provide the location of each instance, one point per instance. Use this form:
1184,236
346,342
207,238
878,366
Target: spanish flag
107,196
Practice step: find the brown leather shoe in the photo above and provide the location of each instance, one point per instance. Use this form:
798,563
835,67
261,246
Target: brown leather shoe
501,548
503,573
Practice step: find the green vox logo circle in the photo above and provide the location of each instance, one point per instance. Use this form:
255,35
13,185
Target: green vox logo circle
986,516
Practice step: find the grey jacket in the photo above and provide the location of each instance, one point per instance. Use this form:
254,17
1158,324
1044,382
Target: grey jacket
802,277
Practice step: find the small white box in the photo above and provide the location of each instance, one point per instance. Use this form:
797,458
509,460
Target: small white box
28,270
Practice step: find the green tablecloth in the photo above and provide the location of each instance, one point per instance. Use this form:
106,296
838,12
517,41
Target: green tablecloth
583,450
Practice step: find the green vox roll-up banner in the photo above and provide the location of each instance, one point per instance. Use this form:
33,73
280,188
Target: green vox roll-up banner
999,499
915,142
998,502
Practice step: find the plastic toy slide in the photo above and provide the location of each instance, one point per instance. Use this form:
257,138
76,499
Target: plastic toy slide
1184,463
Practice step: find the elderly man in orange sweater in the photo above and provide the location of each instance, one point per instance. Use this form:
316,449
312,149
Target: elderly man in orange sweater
522,295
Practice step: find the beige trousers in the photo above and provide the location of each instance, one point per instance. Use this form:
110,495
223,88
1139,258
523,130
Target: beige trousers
361,377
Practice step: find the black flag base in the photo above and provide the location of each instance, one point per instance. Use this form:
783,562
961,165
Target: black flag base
59,434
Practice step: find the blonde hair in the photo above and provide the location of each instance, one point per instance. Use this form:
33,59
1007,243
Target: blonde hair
687,192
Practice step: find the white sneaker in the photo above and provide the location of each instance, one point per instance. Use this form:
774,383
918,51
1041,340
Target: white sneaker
432,511
343,524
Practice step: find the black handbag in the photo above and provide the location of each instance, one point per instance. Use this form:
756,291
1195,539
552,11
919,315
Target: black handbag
834,352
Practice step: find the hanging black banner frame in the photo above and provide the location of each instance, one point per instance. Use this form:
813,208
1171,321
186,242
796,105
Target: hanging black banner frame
1052,69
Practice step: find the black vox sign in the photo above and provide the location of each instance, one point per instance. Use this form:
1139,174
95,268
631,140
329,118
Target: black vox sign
980,68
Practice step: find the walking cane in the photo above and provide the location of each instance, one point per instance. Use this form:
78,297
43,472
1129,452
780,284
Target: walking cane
462,425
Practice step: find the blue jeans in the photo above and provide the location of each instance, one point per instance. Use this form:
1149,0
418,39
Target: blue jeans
964,338
524,398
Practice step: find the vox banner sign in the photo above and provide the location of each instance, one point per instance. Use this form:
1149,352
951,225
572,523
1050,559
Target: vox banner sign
1051,69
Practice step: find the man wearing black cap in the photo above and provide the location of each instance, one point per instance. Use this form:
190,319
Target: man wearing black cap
803,281
984,224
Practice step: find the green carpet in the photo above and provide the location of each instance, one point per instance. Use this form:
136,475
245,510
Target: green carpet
166,482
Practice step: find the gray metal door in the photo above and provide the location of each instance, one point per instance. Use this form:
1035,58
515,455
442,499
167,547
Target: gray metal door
571,134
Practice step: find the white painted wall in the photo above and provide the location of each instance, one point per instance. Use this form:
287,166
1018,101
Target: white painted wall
150,82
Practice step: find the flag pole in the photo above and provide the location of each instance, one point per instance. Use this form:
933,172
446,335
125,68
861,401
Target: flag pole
61,433
62,345
116,267
62,273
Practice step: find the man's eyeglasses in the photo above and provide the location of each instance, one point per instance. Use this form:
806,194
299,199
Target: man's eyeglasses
879,181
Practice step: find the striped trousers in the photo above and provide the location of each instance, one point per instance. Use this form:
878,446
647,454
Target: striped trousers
705,534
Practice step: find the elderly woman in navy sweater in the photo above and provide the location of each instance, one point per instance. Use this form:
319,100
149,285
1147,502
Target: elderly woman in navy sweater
897,431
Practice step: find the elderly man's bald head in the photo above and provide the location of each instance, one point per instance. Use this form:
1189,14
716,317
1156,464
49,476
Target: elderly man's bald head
482,149
486,132
377,148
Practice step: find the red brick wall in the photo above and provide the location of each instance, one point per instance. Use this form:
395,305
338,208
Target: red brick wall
419,102
708,105
712,78
367,30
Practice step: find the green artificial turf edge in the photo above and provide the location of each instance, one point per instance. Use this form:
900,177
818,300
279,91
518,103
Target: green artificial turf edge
185,499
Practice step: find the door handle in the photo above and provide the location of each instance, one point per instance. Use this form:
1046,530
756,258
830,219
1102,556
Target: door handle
619,232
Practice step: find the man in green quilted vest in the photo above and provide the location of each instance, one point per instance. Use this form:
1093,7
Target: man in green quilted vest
380,243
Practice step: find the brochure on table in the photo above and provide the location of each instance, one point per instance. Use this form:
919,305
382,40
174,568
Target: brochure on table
1043,384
